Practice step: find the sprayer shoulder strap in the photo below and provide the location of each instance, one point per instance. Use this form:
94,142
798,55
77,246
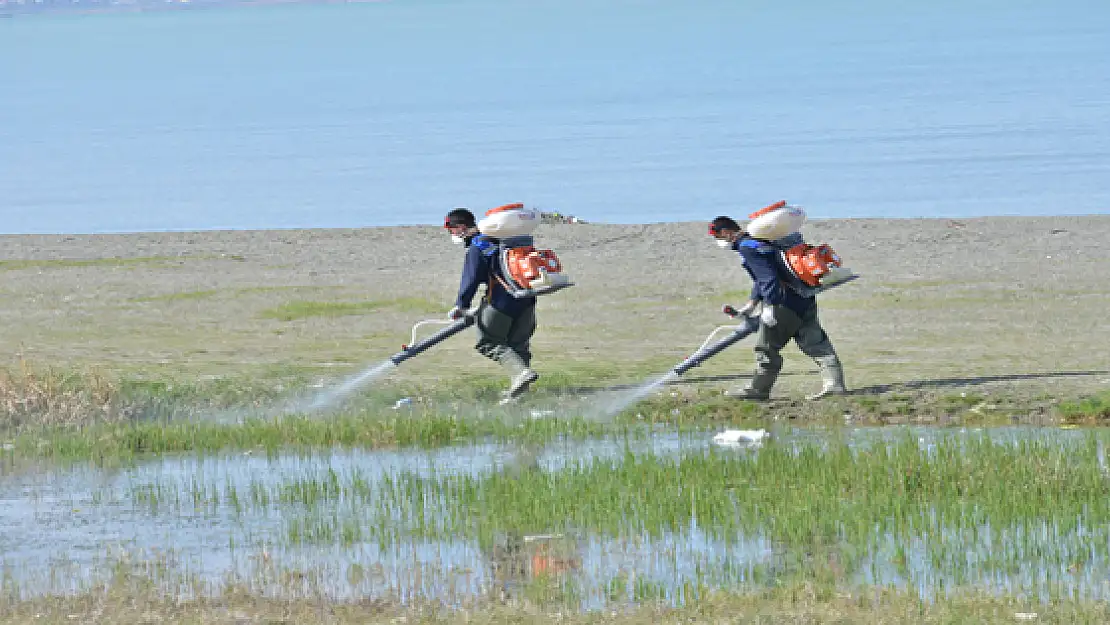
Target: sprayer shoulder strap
504,285
493,252
498,270
488,250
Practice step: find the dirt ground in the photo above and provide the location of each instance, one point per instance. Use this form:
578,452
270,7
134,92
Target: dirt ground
1010,305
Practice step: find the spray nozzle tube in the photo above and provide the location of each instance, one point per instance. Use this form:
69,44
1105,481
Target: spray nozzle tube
709,349
416,347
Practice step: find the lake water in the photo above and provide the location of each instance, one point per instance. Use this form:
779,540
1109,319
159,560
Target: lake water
620,111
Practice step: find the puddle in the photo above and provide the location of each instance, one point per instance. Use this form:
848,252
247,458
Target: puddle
220,513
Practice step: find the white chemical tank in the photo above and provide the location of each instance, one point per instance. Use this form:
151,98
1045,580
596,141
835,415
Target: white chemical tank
509,220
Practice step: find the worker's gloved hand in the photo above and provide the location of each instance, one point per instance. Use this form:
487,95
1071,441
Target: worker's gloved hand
455,313
746,309
768,316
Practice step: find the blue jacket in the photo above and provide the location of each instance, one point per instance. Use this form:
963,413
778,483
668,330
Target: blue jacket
770,275
480,267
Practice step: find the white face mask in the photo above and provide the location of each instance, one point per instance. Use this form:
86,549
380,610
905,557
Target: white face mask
724,243
458,239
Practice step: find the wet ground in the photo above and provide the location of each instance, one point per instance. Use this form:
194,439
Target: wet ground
240,515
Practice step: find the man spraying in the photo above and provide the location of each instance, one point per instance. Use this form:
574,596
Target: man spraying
505,323
789,309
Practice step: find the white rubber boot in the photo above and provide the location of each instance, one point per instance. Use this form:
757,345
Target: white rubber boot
833,381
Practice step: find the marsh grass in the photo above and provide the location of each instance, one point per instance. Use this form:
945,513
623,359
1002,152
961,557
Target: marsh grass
804,494
934,516
35,398
53,398
808,497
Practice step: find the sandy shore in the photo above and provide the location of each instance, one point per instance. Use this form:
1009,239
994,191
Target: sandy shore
1013,304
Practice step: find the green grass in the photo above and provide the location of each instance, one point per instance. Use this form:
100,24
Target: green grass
1094,408
303,309
122,442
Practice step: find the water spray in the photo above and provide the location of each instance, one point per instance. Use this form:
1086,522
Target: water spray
707,350
414,348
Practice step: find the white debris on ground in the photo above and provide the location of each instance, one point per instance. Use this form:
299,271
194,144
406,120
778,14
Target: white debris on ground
741,438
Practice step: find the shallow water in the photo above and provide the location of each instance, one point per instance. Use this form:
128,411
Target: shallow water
219,515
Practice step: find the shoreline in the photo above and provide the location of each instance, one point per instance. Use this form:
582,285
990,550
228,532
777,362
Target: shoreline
585,222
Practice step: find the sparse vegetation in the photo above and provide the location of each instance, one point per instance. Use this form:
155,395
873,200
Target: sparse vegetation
177,297
302,309
66,263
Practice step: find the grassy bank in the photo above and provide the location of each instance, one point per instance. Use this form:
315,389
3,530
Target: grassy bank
116,443
801,604
80,415
133,599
